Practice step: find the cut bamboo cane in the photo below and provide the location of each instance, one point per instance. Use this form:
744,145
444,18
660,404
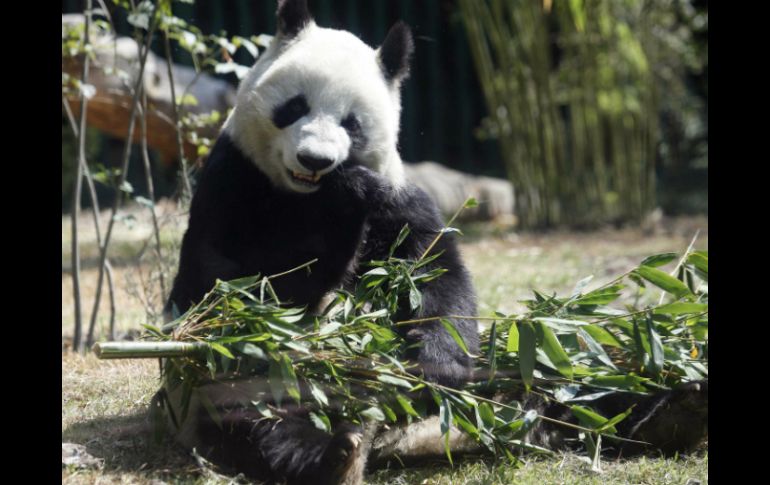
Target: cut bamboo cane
146,350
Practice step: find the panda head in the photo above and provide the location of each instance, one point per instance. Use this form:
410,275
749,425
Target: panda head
318,98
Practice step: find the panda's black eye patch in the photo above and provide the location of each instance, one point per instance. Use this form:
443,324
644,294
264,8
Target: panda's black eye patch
355,132
351,124
290,111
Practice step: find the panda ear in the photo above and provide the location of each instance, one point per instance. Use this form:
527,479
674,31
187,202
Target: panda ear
293,16
395,52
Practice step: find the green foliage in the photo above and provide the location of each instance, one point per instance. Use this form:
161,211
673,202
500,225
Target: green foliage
348,362
574,90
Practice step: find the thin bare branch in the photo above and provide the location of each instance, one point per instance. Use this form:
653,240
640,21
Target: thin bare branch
124,173
186,187
77,191
151,191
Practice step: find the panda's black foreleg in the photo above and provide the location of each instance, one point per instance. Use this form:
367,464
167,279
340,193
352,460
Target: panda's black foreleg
439,356
668,421
287,450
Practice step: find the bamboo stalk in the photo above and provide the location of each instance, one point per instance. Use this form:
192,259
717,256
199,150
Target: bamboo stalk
568,136
146,350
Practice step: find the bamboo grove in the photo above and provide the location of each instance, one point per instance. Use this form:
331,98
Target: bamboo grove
572,99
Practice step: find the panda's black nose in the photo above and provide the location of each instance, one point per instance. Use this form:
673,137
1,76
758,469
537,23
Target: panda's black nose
313,163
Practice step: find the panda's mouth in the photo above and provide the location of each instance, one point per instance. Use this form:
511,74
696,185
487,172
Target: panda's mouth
305,179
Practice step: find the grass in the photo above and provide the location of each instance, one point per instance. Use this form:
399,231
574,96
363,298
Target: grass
104,403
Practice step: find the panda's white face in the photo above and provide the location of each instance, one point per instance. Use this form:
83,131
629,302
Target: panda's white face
313,102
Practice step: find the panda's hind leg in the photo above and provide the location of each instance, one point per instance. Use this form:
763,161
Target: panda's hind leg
288,450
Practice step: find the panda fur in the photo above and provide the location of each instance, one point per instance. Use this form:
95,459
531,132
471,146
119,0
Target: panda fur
307,168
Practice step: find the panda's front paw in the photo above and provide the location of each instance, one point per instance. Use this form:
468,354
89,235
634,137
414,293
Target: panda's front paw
345,458
361,183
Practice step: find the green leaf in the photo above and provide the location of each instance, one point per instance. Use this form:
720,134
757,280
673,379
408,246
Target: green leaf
700,260
561,324
629,382
290,378
321,421
610,424
527,345
656,347
406,405
580,286
329,328
262,408
601,296
318,394
389,413
470,203
513,338
399,239
589,418
211,363
553,349
602,335
679,307
663,281
466,425
393,380
492,355
594,347
415,297
658,259
374,413
450,328
487,414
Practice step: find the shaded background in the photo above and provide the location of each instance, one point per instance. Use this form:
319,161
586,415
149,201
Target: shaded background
444,107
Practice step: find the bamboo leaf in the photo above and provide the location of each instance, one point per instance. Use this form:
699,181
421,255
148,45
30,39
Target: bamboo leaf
555,352
589,418
487,414
222,350
318,394
492,355
450,328
527,344
679,307
656,347
373,413
513,338
406,405
393,380
658,259
663,281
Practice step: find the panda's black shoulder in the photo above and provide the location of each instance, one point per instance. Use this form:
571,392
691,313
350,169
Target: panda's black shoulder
228,175
228,184
408,202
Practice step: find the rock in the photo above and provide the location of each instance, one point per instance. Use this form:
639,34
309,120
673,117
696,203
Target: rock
449,188
73,454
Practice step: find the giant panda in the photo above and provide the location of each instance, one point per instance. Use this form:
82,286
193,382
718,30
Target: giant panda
307,168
